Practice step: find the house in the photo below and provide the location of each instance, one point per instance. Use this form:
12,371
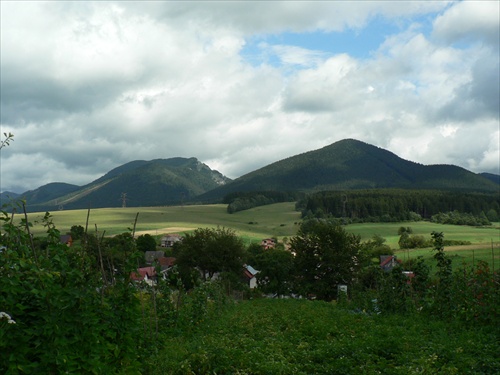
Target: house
66,239
410,275
151,256
166,263
169,240
249,276
146,274
388,262
268,243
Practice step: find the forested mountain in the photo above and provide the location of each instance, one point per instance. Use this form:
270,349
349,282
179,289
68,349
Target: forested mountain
138,183
351,164
345,165
492,177
7,196
49,192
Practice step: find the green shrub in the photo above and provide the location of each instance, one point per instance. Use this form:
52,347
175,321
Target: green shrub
68,320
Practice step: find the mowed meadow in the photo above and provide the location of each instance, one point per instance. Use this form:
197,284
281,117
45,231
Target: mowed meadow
279,220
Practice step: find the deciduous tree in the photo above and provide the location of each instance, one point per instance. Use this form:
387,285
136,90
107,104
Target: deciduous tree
145,242
211,251
325,257
275,271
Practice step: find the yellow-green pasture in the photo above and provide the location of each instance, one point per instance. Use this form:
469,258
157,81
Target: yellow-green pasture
475,235
485,241
278,220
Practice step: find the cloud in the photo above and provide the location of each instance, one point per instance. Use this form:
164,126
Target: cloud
471,21
88,86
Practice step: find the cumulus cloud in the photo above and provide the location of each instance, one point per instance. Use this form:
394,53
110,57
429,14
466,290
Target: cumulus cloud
474,21
87,86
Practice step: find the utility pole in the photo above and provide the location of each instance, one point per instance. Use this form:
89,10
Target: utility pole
124,200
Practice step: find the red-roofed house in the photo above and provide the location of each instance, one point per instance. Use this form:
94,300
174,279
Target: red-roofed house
66,239
146,274
388,262
166,262
268,243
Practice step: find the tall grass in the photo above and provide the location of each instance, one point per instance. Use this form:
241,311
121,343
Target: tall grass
314,337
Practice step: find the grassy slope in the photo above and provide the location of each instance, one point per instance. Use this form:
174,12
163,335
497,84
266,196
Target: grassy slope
314,337
274,220
278,220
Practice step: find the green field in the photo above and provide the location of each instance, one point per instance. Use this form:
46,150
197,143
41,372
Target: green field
313,337
277,220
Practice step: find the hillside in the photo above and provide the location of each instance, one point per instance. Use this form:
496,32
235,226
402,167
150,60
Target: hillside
351,164
49,192
492,177
345,165
7,196
138,183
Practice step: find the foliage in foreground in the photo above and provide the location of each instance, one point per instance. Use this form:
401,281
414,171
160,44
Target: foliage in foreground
441,325
66,315
314,337
76,311
469,294
65,311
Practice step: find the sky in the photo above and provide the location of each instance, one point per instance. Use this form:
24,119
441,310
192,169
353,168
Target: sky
88,86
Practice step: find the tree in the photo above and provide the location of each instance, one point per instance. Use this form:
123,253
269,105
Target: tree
443,297
325,257
254,250
374,248
77,232
211,251
275,271
403,230
492,215
145,242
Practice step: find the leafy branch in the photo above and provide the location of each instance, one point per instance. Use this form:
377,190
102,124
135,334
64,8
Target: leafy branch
9,137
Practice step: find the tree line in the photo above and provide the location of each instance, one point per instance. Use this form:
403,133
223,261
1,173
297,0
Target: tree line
240,201
393,205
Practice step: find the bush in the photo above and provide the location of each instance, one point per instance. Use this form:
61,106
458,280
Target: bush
458,218
67,319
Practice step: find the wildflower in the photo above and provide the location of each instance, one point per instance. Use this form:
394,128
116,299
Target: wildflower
8,317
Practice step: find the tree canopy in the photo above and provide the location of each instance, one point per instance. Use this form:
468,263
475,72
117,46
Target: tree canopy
325,256
275,271
211,251
145,242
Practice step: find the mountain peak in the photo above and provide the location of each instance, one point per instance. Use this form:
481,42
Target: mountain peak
344,165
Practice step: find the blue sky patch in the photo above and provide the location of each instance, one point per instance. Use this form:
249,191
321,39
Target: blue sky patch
358,43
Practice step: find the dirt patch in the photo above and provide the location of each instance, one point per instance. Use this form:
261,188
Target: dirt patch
496,245
160,231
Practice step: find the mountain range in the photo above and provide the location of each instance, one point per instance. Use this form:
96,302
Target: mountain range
343,165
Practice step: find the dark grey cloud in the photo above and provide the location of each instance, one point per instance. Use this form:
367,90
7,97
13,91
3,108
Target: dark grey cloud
88,86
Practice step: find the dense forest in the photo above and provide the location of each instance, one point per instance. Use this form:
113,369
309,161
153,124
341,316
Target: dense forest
240,201
389,205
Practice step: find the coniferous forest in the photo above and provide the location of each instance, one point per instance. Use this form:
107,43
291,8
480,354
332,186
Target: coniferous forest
392,205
